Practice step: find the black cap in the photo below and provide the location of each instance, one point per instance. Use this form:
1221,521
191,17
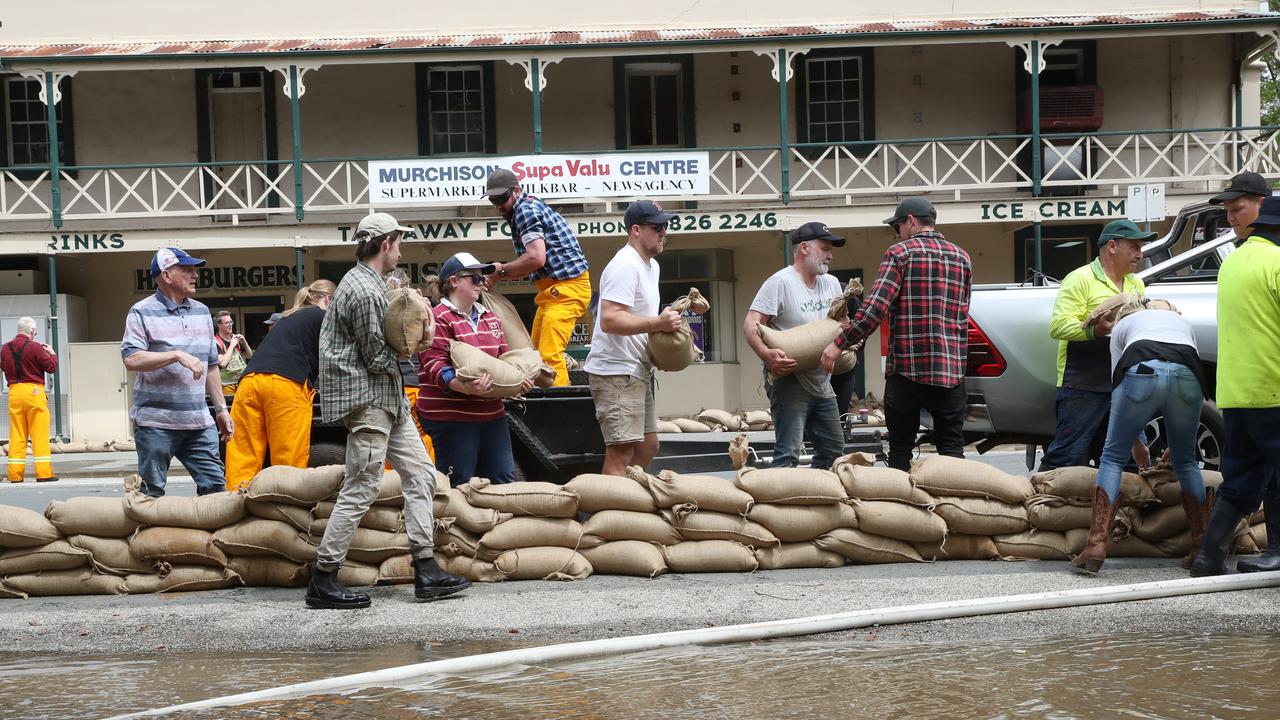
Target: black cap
1246,183
1269,214
916,206
275,318
815,231
645,212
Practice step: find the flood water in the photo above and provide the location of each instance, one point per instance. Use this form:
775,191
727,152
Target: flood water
1135,676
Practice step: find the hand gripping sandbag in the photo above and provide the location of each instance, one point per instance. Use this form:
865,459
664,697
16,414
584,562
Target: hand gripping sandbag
674,351
471,362
529,361
805,343
408,324
513,328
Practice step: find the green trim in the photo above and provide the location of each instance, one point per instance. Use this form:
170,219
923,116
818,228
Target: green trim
784,133
295,114
535,84
51,119
298,267
53,341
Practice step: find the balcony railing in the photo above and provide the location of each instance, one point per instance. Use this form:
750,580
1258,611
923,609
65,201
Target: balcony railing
814,171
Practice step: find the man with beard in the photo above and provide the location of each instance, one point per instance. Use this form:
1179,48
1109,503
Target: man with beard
922,290
801,401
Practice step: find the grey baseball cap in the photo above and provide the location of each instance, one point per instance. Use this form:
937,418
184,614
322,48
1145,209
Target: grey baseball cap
918,206
500,181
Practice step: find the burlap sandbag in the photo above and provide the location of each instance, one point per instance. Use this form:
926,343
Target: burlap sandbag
858,459
529,362
113,556
256,536
183,579
797,555
708,525
1258,532
980,516
706,491
791,486
471,362
295,486
1164,482
719,420
452,539
867,549
177,546
1050,512
5,591
805,343
470,568
667,426
522,532
689,425
1079,482
1107,308
474,519
615,525
899,521
880,483
386,518
1134,546
1156,523
543,563
20,528
708,556
739,452
675,351
374,546
1038,545
97,516
610,492
295,515
513,329
66,582
958,477
396,570
403,323
357,574
626,557
802,523
57,555
203,512
267,571
757,417
535,499
959,547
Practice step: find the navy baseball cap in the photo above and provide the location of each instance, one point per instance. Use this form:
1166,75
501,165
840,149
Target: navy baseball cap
645,212
463,261
166,258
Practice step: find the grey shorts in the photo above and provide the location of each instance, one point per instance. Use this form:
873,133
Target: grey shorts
625,408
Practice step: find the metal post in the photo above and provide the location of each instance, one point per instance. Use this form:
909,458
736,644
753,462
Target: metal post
784,140
55,179
535,84
297,264
1239,119
53,341
1034,64
294,108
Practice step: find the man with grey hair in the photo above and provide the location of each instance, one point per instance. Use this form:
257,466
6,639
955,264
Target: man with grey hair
25,363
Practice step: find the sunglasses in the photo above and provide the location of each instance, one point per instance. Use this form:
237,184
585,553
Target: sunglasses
477,279
501,199
659,227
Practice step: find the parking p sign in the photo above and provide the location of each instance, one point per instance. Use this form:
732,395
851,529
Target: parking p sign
1145,202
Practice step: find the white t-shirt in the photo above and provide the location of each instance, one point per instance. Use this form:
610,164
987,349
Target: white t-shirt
627,280
791,303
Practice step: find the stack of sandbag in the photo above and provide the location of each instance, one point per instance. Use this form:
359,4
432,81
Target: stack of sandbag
689,425
805,343
757,420
675,351
1157,522
720,420
982,506
1063,504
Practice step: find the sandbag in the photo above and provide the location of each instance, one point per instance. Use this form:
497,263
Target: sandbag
899,521
1040,544
529,362
374,546
980,516
880,483
295,486
1258,532
791,486
610,492
267,571
357,574
81,581
471,362
295,515
757,417
203,512
396,570
943,475
626,557
675,351
20,528
522,532
706,491
719,420
1050,512
1157,523
470,568
177,546
57,555
708,525
688,425
408,324
256,536
959,547
1079,482
453,539
1107,308
1134,546
858,459
739,452
513,329
797,555
615,525
124,446
113,556
801,523
182,579
379,517
803,343
1164,482
97,516
707,556
668,426
865,548
474,519
543,563
535,499
7,592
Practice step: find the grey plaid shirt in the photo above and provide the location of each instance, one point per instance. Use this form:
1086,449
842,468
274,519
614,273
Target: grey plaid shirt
357,367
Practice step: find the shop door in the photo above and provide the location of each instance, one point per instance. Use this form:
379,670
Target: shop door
251,322
238,133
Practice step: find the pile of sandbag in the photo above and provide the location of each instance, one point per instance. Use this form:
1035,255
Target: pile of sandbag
716,420
1164,522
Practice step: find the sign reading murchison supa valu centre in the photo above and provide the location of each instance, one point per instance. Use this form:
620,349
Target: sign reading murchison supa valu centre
546,176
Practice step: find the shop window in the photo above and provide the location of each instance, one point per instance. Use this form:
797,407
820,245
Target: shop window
654,101
835,97
26,125
711,271
1063,248
456,109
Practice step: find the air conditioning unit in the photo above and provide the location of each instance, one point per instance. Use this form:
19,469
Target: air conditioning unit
1065,108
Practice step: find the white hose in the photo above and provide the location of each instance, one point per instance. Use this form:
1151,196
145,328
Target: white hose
406,674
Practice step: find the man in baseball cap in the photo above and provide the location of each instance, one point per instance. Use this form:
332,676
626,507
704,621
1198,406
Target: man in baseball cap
376,225
1242,200
815,231
166,258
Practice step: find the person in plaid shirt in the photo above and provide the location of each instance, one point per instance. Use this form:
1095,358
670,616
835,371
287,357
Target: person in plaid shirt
548,251
923,289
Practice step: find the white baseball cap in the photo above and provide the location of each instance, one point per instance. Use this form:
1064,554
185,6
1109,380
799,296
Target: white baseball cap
379,224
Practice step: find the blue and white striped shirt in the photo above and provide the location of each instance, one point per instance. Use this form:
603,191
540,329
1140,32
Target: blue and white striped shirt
533,220
169,398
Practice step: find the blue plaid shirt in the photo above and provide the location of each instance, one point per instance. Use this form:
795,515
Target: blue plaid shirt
533,220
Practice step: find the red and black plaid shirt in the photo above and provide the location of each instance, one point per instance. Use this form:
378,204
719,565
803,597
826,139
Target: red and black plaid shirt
923,287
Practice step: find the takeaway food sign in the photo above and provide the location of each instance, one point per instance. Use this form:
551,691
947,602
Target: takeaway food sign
460,180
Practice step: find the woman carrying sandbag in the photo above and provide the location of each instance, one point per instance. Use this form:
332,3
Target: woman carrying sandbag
469,432
1155,368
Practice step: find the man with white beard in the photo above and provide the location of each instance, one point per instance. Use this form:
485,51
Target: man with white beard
801,401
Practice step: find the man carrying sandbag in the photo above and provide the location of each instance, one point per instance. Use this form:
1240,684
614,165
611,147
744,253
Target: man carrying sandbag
360,384
800,401
25,363
922,289
621,373
548,251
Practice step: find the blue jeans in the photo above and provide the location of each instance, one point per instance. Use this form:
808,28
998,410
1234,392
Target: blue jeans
797,413
1250,455
1080,416
472,449
197,450
1172,389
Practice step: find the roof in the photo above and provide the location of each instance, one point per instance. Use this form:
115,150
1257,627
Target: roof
632,37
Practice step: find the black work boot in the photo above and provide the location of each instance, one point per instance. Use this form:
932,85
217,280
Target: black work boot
1216,543
1269,560
431,582
326,593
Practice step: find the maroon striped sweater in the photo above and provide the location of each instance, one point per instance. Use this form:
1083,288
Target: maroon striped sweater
437,402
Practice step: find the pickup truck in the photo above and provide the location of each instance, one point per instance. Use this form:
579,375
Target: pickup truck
1011,373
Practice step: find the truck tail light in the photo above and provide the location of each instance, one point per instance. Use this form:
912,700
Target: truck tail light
984,359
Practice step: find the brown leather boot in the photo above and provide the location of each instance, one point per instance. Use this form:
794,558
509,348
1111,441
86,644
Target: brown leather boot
1095,549
1197,517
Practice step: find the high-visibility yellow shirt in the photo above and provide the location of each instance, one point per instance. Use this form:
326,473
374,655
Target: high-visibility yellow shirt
1082,290
1249,326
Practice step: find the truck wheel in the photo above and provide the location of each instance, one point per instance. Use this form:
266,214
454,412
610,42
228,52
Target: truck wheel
327,453
1211,432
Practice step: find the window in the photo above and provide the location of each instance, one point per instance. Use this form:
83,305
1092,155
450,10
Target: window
654,101
26,124
1074,62
835,97
455,109
1063,248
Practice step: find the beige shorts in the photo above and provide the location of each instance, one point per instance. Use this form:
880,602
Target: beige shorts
624,408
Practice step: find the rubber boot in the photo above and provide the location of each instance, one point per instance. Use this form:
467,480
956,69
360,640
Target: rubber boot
1197,517
1269,560
1094,553
1216,543
431,582
326,593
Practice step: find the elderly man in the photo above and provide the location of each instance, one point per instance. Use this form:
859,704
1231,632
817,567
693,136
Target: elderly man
168,342
25,363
